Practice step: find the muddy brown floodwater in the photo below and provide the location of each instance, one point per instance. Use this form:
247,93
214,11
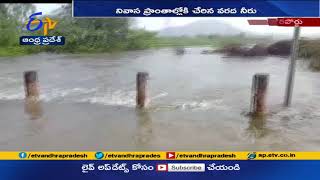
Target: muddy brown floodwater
198,103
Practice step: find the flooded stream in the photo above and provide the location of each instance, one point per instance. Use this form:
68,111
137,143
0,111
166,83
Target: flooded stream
198,103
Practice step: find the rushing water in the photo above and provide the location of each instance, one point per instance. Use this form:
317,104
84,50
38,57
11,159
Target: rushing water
198,102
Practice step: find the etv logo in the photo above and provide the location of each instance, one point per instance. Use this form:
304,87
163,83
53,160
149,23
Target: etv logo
36,24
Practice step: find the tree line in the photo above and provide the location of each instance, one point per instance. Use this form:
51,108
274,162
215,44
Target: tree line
82,34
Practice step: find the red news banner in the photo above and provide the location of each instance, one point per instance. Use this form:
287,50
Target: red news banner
288,22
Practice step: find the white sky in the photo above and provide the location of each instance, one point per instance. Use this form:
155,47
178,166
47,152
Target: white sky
157,23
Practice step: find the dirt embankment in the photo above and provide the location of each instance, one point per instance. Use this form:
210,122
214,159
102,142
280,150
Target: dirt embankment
281,48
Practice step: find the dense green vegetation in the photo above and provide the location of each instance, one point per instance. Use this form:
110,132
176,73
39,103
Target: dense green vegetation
83,35
10,18
90,35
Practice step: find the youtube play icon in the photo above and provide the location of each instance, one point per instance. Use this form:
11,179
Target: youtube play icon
171,155
162,167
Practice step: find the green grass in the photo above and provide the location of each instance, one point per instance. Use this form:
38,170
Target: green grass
310,50
13,51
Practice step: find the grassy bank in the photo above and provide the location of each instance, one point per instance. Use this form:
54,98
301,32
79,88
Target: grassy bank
13,51
310,50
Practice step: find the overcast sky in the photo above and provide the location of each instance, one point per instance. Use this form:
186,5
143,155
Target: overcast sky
157,23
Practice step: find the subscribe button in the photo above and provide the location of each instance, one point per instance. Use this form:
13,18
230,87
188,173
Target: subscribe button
184,167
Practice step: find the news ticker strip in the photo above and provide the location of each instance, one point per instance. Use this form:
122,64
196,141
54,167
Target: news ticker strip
287,22
159,155
196,8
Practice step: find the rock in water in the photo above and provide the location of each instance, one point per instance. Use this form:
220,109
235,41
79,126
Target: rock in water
180,51
281,48
257,50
